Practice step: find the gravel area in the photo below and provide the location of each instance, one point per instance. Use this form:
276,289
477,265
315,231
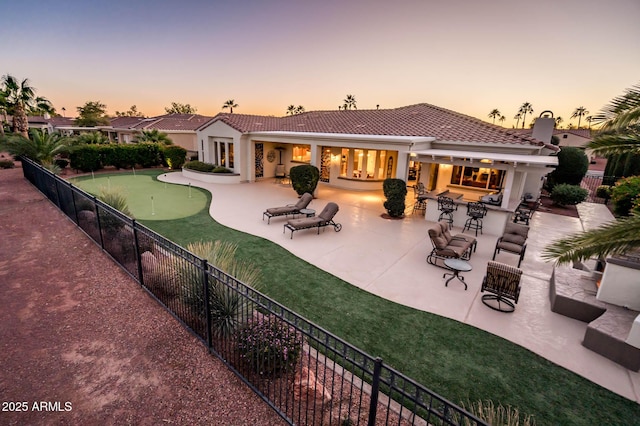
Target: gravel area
82,343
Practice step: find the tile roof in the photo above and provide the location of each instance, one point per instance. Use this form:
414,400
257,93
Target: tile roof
166,123
413,120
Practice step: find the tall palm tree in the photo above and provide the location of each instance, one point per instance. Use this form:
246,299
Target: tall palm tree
19,99
494,114
501,119
517,117
231,104
155,136
291,109
579,113
350,102
525,108
299,109
620,134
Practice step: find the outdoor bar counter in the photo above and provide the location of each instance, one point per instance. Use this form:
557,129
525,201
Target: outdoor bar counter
492,224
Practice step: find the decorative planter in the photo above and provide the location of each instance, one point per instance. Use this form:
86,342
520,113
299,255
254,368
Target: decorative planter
224,178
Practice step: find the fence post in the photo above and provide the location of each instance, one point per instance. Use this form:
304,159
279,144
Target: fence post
95,206
375,387
134,225
205,281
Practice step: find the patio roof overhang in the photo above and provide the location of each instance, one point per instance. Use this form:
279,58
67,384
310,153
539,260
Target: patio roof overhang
408,141
439,155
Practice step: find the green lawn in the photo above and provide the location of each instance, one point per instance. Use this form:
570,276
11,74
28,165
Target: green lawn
457,361
147,198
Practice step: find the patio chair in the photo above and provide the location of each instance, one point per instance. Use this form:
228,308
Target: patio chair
446,207
475,211
289,209
513,240
325,218
420,202
446,246
503,282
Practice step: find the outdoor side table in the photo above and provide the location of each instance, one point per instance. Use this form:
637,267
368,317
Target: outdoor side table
308,212
456,266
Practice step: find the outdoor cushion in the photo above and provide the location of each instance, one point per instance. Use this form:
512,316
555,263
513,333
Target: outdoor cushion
512,247
514,238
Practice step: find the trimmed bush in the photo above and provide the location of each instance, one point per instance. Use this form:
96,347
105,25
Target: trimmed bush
269,346
174,156
221,169
568,195
199,166
625,195
304,178
6,164
86,158
395,190
147,154
573,164
61,162
603,191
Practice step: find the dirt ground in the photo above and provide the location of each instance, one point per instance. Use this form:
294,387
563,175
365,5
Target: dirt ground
81,343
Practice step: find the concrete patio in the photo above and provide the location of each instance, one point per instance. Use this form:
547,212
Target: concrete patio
387,258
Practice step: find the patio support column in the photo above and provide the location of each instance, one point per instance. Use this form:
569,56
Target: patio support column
350,159
365,160
506,192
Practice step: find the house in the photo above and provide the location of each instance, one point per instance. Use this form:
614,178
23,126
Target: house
180,128
358,149
578,138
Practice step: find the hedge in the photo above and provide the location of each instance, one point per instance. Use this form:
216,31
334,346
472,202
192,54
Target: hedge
93,157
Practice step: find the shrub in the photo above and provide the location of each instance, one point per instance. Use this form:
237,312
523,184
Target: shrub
86,158
226,305
568,195
625,194
199,166
269,346
304,178
221,169
497,416
174,156
61,162
603,191
6,164
395,190
146,154
572,166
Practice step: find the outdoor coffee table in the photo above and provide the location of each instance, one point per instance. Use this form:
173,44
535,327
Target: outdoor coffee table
456,266
308,212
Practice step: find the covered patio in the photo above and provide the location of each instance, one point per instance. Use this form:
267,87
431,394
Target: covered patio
387,258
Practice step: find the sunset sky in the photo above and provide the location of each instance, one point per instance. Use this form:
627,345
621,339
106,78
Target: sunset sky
466,55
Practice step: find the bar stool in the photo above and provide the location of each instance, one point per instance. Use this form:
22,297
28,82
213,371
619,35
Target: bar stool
420,202
446,207
475,211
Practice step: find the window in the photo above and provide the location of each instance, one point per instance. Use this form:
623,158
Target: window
477,177
301,153
363,163
565,136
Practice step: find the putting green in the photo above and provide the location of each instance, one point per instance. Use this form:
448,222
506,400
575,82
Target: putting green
147,198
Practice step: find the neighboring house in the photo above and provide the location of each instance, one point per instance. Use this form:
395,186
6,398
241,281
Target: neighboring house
180,128
50,124
578,138
358,149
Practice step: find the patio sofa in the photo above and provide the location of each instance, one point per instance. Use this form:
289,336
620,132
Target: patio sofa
446,246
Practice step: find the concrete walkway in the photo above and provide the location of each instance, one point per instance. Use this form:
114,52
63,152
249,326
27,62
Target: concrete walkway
387,258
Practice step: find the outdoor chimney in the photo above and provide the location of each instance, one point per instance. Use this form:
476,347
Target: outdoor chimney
543,127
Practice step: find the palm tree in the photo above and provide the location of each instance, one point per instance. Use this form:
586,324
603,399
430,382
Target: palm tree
299,109
589,119
19,98
291,109
579,112
154,136
494,114
517,117
231,104
501,119
620,134
525,109
41,148
350,102
558,121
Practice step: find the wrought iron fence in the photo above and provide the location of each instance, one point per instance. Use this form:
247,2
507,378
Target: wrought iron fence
308,375
592,182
